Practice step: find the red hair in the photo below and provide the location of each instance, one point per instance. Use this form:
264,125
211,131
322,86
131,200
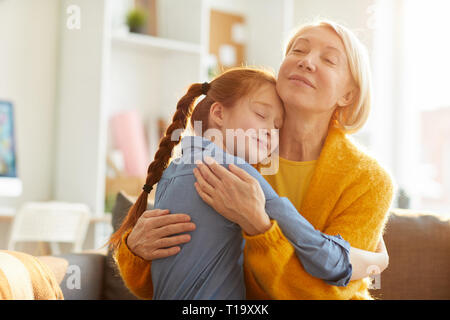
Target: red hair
226,89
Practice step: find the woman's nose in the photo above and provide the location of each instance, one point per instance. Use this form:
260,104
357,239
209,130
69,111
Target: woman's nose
306,63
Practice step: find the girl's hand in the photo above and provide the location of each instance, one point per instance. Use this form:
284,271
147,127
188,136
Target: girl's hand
381,248
235,194
154,235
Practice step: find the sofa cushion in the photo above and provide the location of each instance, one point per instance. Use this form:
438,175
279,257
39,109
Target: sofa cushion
81,281
419,257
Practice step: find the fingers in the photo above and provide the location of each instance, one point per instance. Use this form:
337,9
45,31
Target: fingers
217,170
171,229
204,185
163,253
381,246
205,197
168,219
208,175
241,173
172,241
154,213
168,246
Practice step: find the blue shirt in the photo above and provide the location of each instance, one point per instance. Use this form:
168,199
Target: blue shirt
210,265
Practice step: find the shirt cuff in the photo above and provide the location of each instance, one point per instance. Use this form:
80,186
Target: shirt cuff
346,275
264,241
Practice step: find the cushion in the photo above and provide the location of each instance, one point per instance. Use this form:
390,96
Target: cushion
25,277
81,281
114,287
419,257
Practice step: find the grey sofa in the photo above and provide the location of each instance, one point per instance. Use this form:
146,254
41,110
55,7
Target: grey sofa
418,246
99,276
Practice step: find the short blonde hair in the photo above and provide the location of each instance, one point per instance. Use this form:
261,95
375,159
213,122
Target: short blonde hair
349,118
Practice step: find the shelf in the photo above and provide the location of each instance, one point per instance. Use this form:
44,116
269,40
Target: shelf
155,44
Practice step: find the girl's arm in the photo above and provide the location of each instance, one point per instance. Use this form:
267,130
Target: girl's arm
366,263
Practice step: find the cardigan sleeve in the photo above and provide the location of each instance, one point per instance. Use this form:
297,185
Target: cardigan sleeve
322,256
135,271
281,275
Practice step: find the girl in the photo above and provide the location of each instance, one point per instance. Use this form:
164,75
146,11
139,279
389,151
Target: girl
209,266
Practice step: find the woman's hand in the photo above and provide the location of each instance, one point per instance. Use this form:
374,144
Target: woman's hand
235,194
154,235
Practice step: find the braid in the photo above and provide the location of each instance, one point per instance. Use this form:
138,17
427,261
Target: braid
160,162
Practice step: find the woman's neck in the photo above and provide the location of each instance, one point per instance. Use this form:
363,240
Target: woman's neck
302,136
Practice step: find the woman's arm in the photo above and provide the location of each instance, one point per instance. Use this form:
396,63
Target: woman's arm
275,278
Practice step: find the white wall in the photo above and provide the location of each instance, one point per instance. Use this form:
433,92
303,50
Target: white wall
354,14
28,65
81,123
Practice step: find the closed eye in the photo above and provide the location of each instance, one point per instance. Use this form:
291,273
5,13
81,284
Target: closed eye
260,115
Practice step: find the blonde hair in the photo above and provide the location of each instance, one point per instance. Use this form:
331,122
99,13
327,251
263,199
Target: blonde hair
350,118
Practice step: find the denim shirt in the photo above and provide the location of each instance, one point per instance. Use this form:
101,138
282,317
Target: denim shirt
210,265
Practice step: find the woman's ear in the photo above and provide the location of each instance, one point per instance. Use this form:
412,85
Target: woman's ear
216,115
348,98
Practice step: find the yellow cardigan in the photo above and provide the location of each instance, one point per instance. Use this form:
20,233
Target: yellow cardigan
349,194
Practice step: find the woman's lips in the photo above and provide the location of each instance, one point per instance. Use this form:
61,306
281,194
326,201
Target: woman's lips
300,81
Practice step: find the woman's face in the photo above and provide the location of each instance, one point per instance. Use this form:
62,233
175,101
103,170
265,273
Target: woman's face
315,74
252,123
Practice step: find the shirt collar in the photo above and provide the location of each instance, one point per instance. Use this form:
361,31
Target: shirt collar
191,144
196,148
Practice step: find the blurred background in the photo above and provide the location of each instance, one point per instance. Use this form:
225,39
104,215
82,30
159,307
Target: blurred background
87,87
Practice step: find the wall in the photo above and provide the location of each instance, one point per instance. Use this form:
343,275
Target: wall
29,52
29,42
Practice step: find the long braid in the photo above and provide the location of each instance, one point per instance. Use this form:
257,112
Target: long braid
161,160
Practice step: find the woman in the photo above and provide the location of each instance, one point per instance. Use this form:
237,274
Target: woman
324,83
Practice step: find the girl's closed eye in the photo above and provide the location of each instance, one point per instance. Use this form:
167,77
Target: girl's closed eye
260,115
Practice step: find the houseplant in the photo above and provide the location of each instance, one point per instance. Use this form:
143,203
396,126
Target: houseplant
136,19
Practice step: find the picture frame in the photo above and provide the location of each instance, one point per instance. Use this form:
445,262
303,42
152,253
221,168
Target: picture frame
8,158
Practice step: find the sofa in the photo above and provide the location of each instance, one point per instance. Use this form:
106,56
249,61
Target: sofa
419,261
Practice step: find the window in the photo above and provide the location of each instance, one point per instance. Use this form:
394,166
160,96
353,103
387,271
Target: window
410,127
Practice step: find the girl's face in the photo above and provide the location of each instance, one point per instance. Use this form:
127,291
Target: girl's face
250,127
315,73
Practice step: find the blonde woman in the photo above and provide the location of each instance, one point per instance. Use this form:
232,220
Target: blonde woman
324,84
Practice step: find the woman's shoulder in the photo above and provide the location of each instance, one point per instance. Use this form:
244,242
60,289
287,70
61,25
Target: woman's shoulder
346,154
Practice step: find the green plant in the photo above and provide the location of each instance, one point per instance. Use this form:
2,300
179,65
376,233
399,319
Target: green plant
136,19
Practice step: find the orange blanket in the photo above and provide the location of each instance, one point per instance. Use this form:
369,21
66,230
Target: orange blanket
25,277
